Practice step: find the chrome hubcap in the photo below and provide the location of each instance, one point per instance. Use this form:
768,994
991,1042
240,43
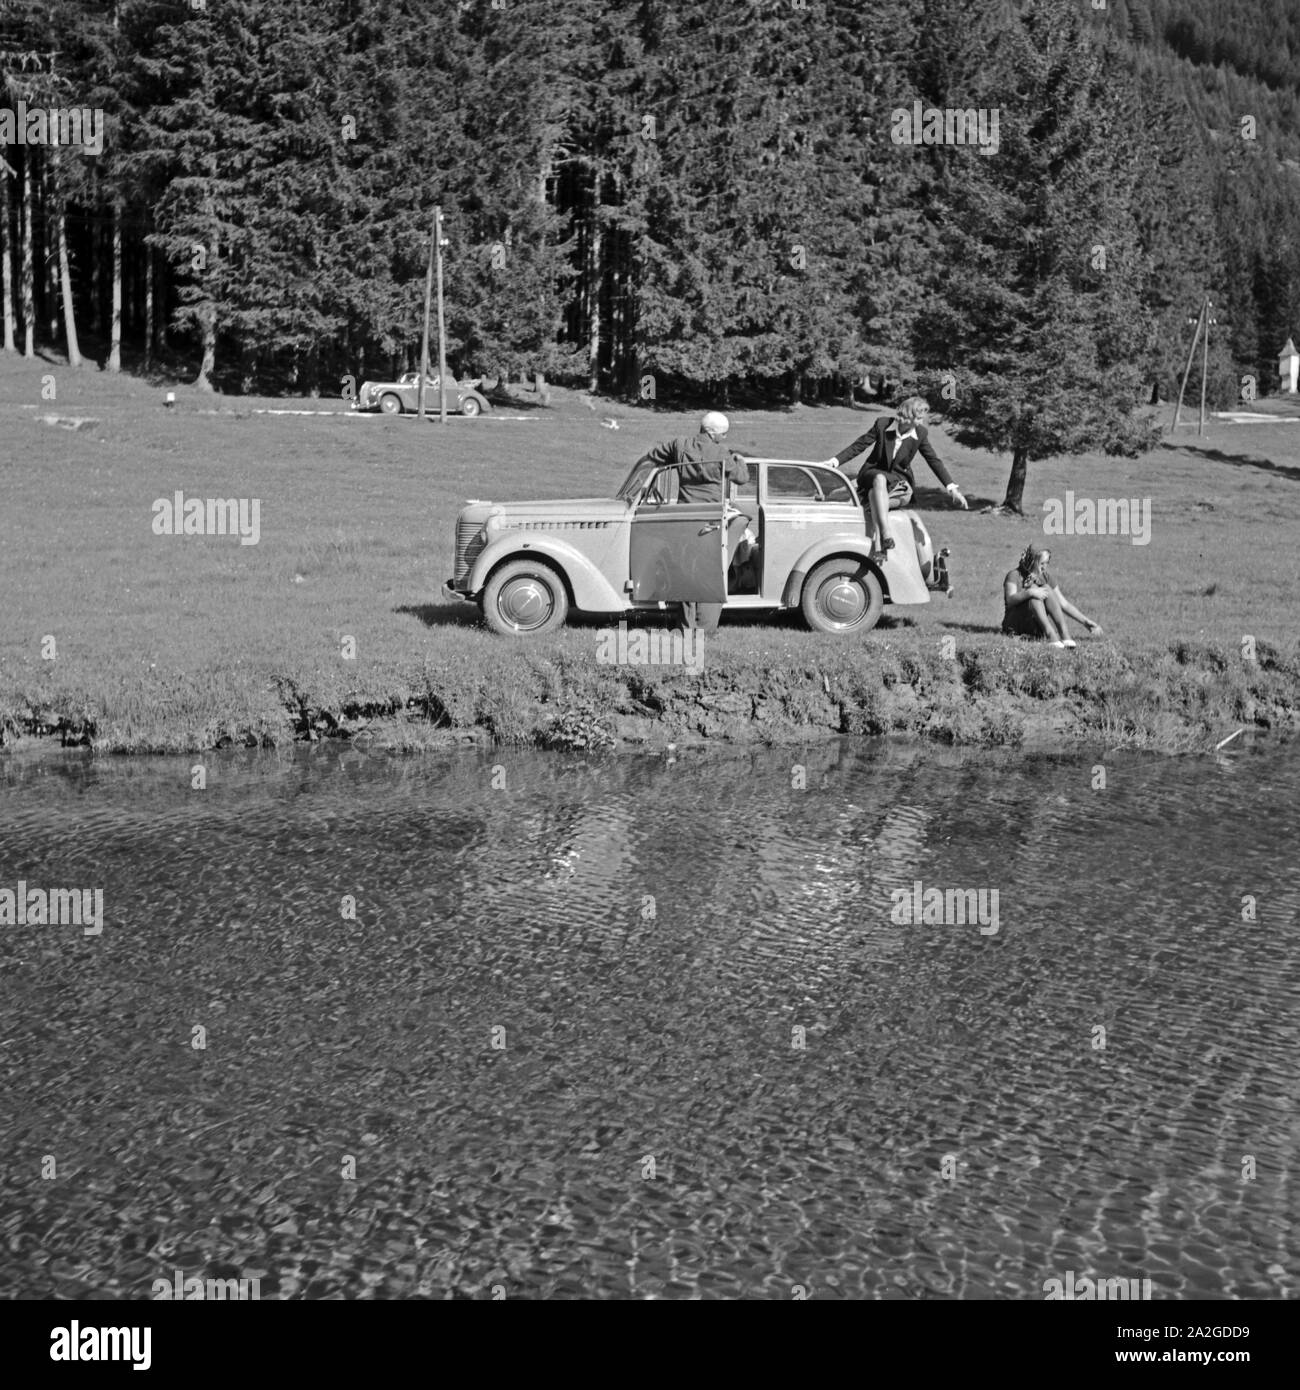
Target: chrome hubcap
525,602
843,601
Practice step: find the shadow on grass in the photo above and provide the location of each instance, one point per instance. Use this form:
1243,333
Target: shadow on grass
441,614
935,499
994,628
501,399
1238,460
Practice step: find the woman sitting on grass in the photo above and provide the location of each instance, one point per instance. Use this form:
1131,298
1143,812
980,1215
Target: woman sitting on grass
1033,604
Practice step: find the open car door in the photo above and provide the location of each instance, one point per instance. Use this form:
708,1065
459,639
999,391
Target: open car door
679,551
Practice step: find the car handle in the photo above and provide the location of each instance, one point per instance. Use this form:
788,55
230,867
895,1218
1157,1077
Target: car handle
713,526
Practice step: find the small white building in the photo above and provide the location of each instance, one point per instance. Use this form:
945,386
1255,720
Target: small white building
1288,366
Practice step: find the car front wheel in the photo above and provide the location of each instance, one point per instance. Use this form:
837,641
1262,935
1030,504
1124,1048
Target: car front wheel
469,407
843,596
525,599
390,404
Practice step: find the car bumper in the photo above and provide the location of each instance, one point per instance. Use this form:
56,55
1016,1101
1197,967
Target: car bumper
449,593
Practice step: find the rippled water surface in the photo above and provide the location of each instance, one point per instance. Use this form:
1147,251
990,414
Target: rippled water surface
644,1028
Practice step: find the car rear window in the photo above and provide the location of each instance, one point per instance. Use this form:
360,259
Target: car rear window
791,484
794,483
834,487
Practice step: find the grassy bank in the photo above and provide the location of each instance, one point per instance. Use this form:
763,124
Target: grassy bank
164,643
556,695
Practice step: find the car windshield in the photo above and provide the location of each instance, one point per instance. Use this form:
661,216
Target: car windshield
635,481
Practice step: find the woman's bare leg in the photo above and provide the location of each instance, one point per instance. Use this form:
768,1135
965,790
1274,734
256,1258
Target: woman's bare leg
1039,610
879,511
1057,614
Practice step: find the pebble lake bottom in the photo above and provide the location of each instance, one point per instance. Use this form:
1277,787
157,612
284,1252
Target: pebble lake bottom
528,1025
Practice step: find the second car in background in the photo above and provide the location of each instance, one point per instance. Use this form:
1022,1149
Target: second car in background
402,395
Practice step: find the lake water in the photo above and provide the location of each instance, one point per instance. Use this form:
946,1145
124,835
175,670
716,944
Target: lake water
650,1028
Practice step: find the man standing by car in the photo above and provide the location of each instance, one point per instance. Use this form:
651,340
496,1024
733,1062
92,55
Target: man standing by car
702,459
885,479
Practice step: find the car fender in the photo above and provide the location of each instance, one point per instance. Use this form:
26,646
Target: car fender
483,401
588,587
823,550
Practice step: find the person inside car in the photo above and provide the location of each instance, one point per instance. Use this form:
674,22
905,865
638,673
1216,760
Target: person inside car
1033,604
885,479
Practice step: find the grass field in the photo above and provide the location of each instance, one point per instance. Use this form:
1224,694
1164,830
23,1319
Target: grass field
165,642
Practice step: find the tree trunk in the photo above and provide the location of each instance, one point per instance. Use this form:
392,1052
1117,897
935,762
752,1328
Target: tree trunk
115,322
65,272
593,308
208,329
28,273
1015,497
539,385
148,306
8,269
50,253
96,239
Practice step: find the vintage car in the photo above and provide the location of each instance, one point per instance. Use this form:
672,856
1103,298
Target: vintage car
794,536
394,397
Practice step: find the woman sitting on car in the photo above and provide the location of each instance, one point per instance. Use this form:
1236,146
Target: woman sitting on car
885,479
1033,604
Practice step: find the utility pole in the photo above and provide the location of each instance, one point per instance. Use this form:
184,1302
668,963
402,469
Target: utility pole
428,295
439,243
1191,357
1205,362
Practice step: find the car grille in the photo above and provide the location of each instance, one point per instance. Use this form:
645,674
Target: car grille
469,541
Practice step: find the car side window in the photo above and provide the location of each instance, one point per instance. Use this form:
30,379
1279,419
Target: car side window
834,488
787,484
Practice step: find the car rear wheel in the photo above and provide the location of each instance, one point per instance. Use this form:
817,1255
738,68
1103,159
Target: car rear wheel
843,596
390,404
525,599
469,407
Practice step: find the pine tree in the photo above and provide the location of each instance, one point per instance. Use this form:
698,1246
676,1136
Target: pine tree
508,283
1176,227
238,143
1039,319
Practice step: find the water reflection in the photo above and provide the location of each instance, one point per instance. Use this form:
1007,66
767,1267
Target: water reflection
560,976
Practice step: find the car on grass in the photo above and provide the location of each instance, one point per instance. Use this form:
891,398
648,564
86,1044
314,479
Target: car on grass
402,395
794,536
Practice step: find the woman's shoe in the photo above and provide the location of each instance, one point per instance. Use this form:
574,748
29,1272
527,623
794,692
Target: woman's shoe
1069,642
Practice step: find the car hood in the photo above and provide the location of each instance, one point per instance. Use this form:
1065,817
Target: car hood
554,511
